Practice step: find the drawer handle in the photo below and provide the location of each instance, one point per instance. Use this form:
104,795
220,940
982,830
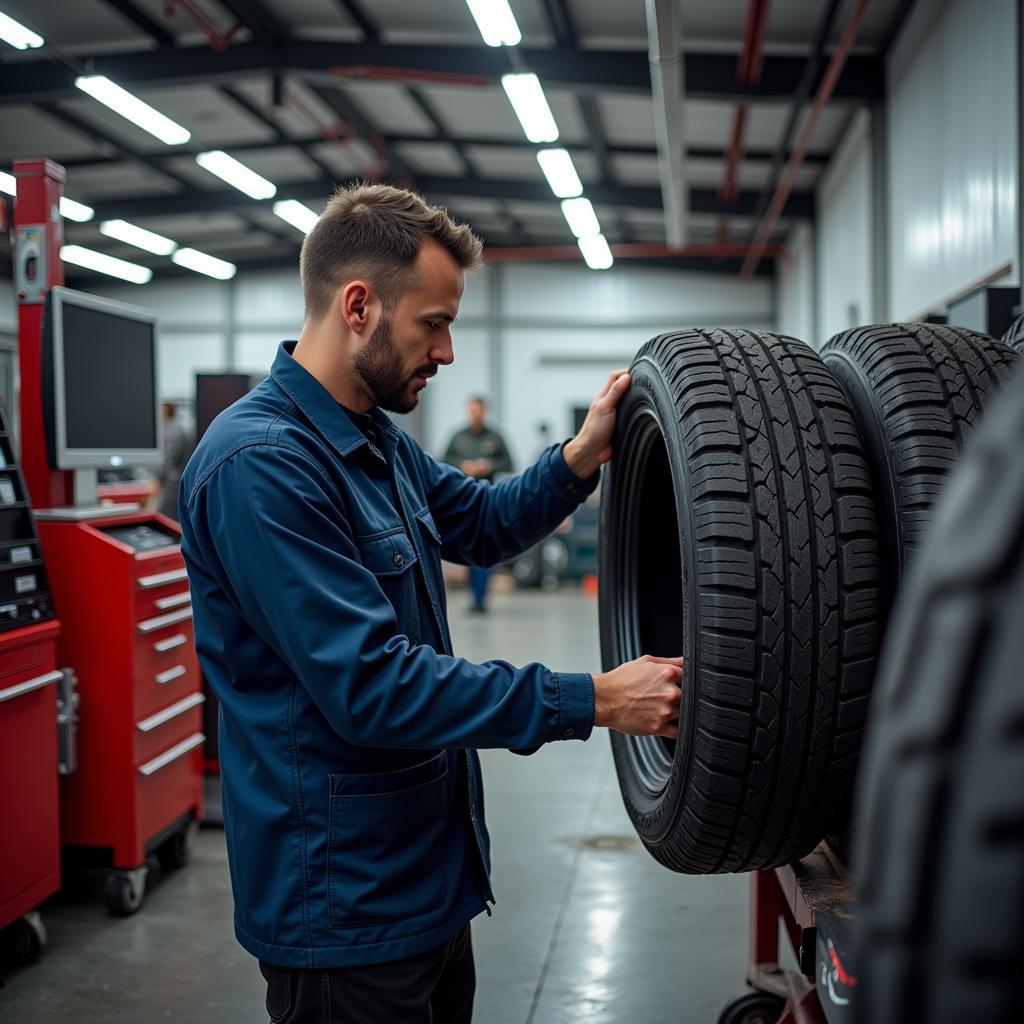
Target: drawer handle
170,675
163,646
172,755
30,685
173,600
160,621
174,576
168,714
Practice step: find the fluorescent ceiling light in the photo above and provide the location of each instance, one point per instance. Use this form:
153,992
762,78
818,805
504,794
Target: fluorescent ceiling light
203,263
130,107
139,237
236,174
18,36
92,260
297,214
76,211
8,183
496,22
581,217
558,168
596,252
527,99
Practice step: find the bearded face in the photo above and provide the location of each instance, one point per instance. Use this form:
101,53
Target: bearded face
393,386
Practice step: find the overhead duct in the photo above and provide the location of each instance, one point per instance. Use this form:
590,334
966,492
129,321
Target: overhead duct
665,54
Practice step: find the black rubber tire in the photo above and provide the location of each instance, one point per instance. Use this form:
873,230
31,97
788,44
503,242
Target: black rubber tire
1014,336
940,933
752,1007
738,530
124,893
176,852
916,390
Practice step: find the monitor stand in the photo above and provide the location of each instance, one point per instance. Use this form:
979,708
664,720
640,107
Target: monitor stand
86,504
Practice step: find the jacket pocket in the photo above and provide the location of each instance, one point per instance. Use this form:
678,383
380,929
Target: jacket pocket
385,850
391,559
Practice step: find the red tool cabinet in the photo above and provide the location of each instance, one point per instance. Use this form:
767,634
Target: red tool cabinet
30,851
120,588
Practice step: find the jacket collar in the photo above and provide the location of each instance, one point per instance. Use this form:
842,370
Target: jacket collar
320,408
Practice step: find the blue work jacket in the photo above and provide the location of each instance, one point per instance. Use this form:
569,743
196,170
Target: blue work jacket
351,789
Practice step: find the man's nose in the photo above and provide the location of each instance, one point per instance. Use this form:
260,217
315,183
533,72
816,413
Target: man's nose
442,352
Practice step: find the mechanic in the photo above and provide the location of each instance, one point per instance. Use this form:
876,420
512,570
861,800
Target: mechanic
313,534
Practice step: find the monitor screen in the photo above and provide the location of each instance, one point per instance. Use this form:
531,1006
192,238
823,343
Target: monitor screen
109,386
99,382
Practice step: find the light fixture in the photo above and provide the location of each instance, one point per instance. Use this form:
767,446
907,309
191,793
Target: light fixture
68,207
596,252
203,263
18,36
104,264
558,168
580,214
496,22
76,211
130,107
235,173
297,214
139,237
527,98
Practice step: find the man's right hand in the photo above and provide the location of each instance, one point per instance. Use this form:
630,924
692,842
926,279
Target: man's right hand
641,697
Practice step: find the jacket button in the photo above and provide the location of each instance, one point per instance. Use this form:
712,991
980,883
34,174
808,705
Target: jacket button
399,560
568,734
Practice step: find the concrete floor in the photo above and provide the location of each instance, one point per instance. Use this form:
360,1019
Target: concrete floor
588,927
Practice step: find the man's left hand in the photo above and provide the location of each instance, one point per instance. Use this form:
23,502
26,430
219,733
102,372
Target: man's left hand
591,448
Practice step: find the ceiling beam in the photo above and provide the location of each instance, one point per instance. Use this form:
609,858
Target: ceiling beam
708,75
702,200
263,23
712,153
363,21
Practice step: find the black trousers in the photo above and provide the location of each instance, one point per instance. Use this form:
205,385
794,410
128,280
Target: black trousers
435,987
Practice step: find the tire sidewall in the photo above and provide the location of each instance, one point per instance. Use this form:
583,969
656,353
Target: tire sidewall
654,815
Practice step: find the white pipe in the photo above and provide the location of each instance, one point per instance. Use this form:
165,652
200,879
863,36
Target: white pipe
667,85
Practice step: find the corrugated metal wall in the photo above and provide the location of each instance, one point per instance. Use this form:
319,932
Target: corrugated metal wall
844,249
952,139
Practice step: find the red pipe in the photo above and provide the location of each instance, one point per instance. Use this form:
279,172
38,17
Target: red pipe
748,72
217,40
785,186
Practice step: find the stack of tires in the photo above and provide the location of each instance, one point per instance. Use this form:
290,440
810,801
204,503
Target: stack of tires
760,517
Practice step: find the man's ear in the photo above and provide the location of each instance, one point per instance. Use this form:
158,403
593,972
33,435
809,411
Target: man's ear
355,300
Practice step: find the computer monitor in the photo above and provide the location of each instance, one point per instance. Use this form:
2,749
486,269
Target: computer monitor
99,365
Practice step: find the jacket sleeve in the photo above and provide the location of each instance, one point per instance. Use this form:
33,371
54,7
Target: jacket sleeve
268,526
482,523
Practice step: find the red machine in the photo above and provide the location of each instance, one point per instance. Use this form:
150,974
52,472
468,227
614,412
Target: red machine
117,576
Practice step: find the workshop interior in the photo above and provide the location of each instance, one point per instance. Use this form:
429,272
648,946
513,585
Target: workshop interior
800,226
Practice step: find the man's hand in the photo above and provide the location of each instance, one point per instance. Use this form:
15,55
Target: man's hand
592,446
641,697
476,467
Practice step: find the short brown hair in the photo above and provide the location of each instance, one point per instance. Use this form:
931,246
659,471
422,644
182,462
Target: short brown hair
375,231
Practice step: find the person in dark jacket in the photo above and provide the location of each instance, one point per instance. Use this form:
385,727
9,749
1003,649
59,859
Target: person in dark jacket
313,531
479,452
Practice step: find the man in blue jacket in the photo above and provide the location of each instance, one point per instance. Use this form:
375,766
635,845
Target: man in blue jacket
313,533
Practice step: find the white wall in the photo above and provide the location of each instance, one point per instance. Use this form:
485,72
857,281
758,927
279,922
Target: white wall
844,235
537,340
952,150
795,286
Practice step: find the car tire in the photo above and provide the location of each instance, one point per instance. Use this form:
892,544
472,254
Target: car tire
939,937
738,530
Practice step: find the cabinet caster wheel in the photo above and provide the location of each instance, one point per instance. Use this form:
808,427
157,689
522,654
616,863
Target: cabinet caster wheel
125,891
177,851
23,940
752,1007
